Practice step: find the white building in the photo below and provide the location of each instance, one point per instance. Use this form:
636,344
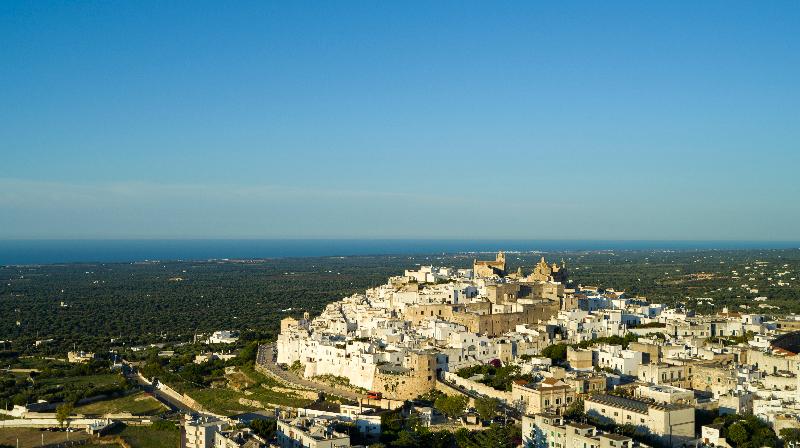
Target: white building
622,361
222,337
310,433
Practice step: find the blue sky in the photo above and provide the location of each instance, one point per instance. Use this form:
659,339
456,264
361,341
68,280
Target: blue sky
564,120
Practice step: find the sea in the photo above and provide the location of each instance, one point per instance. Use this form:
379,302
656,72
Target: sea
23,252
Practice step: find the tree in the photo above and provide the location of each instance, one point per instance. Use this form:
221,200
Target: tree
264,428
487,407
747,431
791,436
451,406
575,410
556,352
247,354
497,437
63,412
406,439
436,439
737,434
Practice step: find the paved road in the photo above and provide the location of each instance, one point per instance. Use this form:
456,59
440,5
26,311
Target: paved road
170,402
266,358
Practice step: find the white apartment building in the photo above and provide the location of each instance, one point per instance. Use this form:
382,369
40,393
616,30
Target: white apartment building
222,337
552,431
672,423
304,432
614,357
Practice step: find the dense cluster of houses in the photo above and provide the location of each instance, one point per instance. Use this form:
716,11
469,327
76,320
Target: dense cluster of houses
628,362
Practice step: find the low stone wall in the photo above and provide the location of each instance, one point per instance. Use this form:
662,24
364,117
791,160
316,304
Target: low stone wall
183,398
47,422
186,400
266,371
21,411
647,330
478,387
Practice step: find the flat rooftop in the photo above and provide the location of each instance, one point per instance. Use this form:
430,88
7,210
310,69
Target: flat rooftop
579,425
613,436
634,405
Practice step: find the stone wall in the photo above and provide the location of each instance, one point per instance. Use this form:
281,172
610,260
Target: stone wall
478,387
419,377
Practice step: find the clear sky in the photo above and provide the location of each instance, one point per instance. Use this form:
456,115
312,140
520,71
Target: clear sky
566,120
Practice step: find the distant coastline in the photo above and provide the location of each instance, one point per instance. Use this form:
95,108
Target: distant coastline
109,251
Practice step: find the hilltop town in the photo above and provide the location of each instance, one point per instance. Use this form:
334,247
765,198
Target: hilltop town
573,365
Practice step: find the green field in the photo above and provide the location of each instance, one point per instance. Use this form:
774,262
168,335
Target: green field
101,380
263,389
61,383
149,437
29,437
137,404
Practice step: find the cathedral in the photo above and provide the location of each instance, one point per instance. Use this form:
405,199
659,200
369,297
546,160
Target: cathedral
481,268
543,272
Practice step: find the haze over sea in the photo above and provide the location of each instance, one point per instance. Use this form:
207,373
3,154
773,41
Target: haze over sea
129,250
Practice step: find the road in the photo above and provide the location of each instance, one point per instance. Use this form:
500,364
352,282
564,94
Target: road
266,358
173,404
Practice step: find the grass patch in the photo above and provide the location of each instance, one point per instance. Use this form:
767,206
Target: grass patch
145,437
87,380
258,377
339,381
148,436
137,404
263,389
33,437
